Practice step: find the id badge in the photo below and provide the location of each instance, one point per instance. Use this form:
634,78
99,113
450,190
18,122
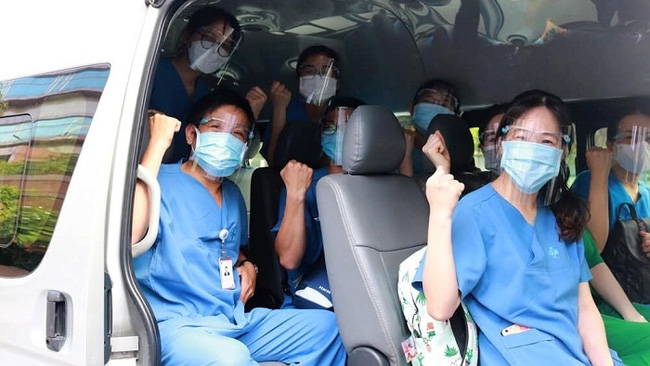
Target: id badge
226,274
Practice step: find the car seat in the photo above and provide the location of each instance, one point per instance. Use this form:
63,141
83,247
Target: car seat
372,219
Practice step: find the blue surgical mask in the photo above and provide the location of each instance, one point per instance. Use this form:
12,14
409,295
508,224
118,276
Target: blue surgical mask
219,154
333,147
423,113
530,165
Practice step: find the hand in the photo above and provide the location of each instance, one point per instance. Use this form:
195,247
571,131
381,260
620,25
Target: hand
247,277
280,95
297,178
599,161
443,192
645,243
162,129
436,151
256,98
636,317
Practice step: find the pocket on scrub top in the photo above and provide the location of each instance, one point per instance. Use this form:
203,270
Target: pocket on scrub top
529,347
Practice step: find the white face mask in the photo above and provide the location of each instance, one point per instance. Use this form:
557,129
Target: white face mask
633,159
205,61
316,89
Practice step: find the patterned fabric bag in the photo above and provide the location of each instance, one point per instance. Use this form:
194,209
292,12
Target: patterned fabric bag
432,342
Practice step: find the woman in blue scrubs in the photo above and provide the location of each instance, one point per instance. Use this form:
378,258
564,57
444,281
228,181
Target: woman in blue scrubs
512,250
616,174
195,276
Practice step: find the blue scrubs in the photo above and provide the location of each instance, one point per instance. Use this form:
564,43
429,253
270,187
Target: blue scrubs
617,195
510,272
314,256
296,113
169,96
200,323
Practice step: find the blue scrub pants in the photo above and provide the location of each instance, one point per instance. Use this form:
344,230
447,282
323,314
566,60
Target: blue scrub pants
295,337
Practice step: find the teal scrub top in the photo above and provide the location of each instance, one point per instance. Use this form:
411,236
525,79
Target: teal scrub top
179,275
510,272
617,195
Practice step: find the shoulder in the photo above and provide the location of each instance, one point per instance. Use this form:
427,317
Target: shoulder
476,198
231,190
581,184
318,174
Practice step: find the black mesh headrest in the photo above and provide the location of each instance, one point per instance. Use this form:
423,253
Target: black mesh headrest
299,141
458,139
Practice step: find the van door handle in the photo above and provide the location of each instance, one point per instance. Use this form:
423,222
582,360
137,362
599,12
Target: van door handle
55,329
154,212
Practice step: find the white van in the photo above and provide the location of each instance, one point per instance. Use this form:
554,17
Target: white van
75,80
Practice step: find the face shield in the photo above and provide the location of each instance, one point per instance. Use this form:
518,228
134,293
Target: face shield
333,130
632,152
212,51
488,144
318,84
221,144
430,103
532,155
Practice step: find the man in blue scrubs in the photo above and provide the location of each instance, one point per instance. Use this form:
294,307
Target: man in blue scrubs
194,276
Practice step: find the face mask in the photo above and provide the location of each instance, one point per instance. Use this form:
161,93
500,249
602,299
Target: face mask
316,89
333,147
205,61
423,113
218,153
492,162
530,165
633,159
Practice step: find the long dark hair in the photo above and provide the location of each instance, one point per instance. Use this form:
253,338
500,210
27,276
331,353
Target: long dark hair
570,211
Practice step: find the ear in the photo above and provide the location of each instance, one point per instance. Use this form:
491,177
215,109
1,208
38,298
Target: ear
190,134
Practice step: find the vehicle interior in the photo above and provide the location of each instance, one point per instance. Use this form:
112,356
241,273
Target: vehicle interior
594,54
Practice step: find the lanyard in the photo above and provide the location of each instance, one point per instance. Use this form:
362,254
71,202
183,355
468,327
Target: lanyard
223,234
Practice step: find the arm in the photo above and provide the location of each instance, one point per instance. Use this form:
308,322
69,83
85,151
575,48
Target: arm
406,167
280,97
599,162
291,241
439,281
162,129
607,286
248,278
591,328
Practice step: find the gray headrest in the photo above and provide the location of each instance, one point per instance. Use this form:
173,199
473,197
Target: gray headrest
374,141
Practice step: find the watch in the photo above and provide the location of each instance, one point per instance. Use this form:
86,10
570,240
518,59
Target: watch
241,263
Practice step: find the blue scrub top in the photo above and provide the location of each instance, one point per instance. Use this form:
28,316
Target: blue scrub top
617,195
314,251
296,113
510,272
179,275
169,96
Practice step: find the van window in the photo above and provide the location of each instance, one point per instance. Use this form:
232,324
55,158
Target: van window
44,121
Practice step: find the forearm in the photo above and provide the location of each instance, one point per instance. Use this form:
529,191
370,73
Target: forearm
278,122
608,287
439,277
591,329
598,223
406,167
151,160
291,241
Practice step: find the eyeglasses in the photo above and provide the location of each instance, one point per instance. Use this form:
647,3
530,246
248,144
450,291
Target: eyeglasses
633,137
310,71
487,136
225,45
241,132
434,96
555,139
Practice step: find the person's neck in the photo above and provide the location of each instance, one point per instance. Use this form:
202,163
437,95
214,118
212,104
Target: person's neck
630,181
526,203
182,65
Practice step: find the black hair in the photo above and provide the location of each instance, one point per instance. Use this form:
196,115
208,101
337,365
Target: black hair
208,15
630,110
570,212
490,112
217,98
442,86
317,50
349,102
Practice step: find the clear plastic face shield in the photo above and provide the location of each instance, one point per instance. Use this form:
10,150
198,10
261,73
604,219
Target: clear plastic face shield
210,51
220,145
532,152
631,148
438,97
488,144
318,82
333,128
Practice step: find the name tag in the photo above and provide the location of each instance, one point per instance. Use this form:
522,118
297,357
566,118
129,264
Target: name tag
226,274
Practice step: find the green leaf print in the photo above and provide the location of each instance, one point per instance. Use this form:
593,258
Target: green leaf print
405,278
468,356
450,351
421,300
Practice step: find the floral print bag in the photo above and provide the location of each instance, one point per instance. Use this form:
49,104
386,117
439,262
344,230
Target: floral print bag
432,342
